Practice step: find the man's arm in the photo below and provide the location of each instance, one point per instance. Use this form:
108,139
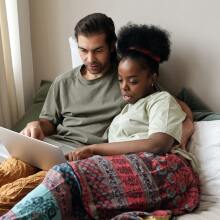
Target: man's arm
39,129
188,127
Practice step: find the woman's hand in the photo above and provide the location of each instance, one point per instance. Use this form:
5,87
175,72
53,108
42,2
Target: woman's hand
80,153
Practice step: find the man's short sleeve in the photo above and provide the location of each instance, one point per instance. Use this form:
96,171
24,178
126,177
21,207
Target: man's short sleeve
51,110
165,115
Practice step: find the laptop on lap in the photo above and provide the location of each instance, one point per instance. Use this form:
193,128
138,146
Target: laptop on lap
32,151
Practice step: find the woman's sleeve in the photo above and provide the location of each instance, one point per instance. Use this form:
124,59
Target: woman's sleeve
165,116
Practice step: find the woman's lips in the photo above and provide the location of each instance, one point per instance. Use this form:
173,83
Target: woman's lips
126,97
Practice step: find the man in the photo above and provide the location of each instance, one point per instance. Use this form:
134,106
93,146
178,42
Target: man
79,107
81,103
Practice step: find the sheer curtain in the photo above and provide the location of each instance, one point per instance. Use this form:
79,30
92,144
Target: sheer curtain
8,102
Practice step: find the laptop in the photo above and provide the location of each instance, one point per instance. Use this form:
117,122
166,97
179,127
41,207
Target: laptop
32,151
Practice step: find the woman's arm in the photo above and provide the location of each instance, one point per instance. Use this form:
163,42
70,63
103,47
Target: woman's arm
157,143
188,127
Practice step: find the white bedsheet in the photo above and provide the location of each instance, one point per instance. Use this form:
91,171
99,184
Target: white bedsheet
206,211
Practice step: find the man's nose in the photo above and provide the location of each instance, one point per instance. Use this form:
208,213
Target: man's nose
90,57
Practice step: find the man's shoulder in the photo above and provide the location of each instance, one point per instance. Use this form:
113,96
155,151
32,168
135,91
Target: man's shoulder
69,75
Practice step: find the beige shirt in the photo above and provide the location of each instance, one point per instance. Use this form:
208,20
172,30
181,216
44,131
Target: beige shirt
158,112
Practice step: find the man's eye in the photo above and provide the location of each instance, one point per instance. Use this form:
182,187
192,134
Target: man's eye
83,51
99,51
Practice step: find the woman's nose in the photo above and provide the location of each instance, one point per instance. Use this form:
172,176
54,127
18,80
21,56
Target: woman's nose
124,85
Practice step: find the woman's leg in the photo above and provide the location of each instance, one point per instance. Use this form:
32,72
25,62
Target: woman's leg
136,182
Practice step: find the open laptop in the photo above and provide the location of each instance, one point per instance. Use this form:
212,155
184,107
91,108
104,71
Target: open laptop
32,151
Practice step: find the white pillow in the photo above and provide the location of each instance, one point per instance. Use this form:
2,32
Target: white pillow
205,145
75,57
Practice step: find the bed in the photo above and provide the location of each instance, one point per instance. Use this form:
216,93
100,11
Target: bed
204,144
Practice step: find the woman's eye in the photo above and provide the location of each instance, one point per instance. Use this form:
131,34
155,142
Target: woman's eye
133,81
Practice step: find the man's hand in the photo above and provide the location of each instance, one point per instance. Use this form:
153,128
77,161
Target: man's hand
39,129
80,153
34,130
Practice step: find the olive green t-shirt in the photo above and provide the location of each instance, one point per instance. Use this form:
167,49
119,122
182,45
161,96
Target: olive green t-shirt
82,109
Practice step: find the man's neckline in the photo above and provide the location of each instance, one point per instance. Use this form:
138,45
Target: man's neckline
96,76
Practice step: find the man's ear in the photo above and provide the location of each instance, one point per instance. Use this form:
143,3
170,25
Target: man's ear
154,77
113,47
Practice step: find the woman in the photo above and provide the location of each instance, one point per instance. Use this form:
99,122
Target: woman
134,173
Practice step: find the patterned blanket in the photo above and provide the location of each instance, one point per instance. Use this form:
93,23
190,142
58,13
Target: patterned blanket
124,187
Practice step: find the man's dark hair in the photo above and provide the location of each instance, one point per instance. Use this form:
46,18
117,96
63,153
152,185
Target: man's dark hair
97,23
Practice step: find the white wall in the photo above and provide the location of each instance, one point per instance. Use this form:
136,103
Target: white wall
194,27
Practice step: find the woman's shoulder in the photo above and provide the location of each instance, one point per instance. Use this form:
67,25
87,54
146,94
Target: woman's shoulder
160,98
157,98
160,95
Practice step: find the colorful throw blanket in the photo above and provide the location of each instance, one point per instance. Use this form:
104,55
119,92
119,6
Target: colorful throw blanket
125,187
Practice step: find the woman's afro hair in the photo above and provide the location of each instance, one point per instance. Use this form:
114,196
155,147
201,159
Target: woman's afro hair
146,37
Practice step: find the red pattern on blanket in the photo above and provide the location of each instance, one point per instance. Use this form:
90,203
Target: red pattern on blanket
136,182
